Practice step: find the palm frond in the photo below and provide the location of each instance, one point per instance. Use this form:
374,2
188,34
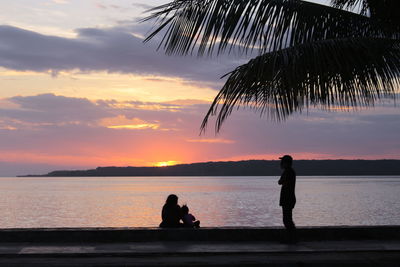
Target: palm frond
210,26
362,5
384,13
331,73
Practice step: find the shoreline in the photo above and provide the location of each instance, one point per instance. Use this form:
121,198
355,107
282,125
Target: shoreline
243,168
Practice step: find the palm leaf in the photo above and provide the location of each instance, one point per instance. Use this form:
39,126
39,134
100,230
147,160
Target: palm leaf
345,73
384,13
268,25
362,5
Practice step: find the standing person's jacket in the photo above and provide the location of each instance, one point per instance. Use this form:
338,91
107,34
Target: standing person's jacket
288,197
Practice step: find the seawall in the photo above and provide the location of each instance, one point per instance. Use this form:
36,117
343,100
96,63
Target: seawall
84,235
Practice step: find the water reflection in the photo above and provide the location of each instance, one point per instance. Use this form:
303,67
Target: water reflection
216,201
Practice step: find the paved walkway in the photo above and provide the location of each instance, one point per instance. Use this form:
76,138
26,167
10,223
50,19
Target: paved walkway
313,253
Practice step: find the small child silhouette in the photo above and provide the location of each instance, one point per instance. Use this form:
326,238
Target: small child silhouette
188,219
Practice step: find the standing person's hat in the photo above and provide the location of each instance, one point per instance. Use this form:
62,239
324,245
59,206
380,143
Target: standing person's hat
286,158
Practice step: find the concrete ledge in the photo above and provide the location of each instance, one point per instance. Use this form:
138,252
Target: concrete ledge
84,235
380,259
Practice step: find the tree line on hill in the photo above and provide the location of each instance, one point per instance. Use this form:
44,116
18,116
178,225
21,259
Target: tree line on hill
246,168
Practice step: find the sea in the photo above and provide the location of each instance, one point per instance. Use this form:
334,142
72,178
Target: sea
216,201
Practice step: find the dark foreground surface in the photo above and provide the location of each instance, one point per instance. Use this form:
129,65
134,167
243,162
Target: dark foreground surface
319,246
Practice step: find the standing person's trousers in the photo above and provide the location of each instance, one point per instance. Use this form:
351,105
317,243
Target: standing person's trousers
287,212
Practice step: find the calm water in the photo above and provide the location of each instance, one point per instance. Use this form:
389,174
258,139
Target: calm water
216,201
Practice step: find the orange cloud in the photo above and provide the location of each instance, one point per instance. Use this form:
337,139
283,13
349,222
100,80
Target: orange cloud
121,122
184,102
7,127
212,141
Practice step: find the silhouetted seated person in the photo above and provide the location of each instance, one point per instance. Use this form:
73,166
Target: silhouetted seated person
188,219
171,213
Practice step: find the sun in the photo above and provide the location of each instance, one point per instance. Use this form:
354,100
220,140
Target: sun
166,163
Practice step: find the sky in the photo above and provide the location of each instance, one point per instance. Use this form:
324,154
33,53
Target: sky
80,89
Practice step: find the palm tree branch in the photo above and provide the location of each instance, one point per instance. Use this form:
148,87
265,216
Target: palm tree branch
348,72
362,5
382,12
266,25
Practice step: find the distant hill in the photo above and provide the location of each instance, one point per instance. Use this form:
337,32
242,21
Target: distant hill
246,168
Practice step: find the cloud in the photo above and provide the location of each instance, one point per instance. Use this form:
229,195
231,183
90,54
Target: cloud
49,109
115,49
101,6
66,131
185,102
368,134
58,130
122,122
98,5
63,2
52,110
143,6
212,141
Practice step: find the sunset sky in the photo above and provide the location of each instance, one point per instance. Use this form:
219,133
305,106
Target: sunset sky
79,89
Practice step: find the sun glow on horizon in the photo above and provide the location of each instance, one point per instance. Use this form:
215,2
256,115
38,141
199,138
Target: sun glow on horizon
166,163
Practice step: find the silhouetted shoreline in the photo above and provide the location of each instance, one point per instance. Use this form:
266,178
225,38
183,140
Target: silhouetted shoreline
244,168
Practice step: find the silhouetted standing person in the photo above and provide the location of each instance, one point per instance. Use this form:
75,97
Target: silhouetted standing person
288,197
171,213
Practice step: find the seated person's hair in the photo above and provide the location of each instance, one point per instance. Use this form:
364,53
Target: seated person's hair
185,209
172,200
